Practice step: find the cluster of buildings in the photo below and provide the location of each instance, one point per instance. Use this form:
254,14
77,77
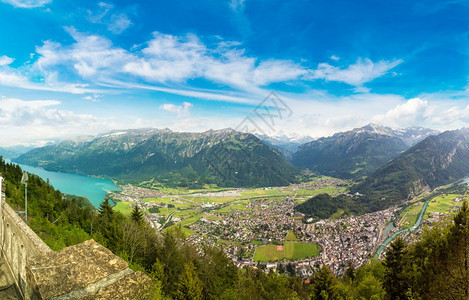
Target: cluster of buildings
261,220
131,193
343,242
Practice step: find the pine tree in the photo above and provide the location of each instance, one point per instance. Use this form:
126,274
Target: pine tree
395,283
189,285
325,285
137,214
105,210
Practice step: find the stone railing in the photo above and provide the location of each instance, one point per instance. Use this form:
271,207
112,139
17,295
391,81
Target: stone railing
18,244
84,271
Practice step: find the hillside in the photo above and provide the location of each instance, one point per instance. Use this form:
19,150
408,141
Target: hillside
14,151
162,157
356,153
436,161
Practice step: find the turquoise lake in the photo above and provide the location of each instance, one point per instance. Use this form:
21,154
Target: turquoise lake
94,189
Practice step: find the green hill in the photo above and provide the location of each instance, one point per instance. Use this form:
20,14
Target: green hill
162,157
435,161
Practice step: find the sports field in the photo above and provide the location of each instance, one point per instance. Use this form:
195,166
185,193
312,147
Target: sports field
269,253
289,250
296,251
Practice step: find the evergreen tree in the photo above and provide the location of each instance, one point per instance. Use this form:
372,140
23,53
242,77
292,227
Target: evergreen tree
137,214
105,210
325,285
395,283
189,285
450,261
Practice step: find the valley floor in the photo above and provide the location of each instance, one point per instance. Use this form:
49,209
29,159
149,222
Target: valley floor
259,227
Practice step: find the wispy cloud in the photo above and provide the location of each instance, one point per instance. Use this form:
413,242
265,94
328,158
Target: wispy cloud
13,79
237,5
168,63
363,71
5,60
27,3
165,59
116,22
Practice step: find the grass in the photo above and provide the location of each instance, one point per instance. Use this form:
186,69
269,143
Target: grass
166,211
256,242
443,203
123,207
187,231
297,251
337,214
191,220
291,251
268,253
291,236
226,242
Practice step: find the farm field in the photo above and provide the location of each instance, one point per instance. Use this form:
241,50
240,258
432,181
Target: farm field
123,207
442,204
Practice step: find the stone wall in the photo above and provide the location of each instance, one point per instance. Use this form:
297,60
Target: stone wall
84,271
18,244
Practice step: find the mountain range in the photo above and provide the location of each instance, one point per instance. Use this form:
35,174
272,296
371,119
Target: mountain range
435,161
389,165
153,157
287,145
358,152
14,151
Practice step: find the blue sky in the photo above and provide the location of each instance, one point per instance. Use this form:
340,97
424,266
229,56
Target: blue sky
68,70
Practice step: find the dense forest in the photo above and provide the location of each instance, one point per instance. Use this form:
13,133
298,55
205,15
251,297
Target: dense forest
437,266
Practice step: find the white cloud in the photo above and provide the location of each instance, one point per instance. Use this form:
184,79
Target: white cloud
116,22
412,112
94,98
438,114
89,56
119,23
5,60
33,121
167,63
452,115
182,111
363,71
27,3
166,59
11,78
172,58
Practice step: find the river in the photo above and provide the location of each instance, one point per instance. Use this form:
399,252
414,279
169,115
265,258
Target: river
94,189
409,230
